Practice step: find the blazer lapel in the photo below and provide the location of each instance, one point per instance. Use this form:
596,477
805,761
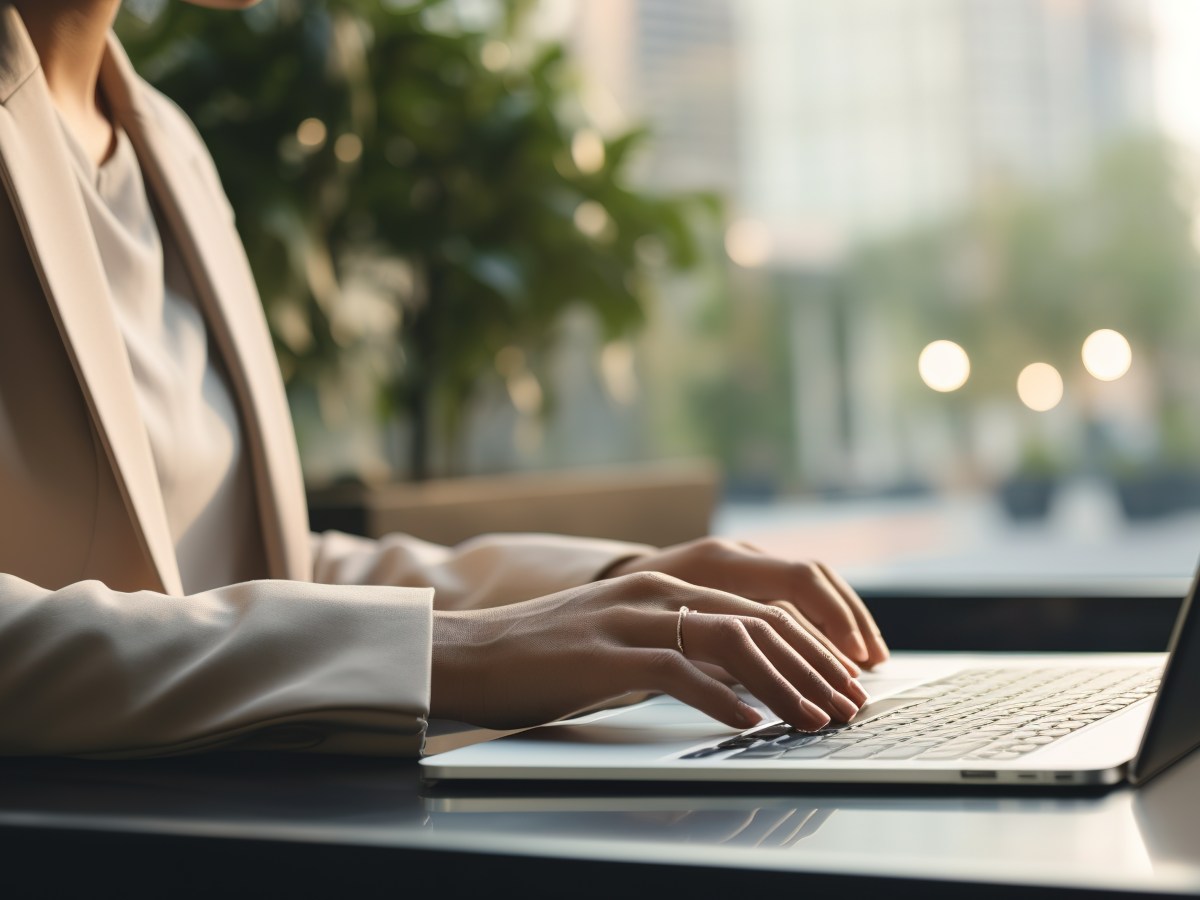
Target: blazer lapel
36,168
225,286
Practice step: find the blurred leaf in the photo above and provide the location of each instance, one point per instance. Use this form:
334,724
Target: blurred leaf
449,166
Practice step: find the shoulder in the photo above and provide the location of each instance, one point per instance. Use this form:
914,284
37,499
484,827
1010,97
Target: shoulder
18,59
169,118
166,116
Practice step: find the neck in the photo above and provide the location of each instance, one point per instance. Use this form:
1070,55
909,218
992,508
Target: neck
69,36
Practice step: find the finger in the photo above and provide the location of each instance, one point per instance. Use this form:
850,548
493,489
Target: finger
750,573
798,672
653,668
790,608
877,649
710,600
761,668
714,671
806,586
643,625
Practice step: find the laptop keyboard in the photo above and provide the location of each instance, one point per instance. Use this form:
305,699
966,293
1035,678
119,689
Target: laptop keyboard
978,714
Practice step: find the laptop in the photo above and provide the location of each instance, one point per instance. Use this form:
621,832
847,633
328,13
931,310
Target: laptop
1054,720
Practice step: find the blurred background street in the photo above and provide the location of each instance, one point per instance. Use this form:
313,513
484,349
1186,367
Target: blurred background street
919,281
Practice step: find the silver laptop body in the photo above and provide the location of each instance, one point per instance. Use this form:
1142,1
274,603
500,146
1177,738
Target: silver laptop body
1050,720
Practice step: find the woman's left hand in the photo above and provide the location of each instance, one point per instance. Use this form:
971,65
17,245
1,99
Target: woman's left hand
816,596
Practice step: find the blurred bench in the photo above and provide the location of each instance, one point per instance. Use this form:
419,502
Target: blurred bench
653,503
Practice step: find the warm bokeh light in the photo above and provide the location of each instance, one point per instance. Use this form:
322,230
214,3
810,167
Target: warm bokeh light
348,147
311,133
619,370
1106,354
944,366
592,219
587,151
748,243
1040,387
496,55
525,392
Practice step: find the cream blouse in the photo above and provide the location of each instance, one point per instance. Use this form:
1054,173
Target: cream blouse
183,391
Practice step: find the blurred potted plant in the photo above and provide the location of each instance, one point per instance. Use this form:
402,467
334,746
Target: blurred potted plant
1165,480
1028,492
420,195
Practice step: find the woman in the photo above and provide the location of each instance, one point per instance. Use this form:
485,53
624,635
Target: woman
160,592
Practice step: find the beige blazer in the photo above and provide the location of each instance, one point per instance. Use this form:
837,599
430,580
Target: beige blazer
101,653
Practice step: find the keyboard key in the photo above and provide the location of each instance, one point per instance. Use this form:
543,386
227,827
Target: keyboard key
763,751
857,751
771,732
979,713
700,754
814,751
742,740
797,740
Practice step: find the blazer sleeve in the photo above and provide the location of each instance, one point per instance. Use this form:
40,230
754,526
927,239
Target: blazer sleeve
88,671
490,570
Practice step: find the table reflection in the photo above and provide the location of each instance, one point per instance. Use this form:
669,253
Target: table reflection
1134,837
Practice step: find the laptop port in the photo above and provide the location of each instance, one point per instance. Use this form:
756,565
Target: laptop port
977,774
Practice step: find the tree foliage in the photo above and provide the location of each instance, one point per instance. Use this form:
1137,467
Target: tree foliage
417,188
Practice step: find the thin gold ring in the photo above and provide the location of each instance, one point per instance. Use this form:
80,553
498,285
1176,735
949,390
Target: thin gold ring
683,611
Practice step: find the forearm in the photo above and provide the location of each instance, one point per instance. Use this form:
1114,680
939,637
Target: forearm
488,571
87,671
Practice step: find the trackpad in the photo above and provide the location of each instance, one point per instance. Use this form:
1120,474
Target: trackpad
659,720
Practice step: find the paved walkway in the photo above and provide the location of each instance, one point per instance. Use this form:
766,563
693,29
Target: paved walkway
970,539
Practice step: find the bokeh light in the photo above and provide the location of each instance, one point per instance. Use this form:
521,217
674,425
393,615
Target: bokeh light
592,219
944,366
1106,354
1040,387
587,151
748,243
348,147
496,55
311,133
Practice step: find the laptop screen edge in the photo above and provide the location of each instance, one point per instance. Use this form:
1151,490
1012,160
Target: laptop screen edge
1173,731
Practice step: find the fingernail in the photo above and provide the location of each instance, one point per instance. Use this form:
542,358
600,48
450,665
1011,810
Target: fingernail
844,705
819,718
855,692
749,715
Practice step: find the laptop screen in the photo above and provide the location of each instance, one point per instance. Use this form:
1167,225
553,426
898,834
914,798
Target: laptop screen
1174,727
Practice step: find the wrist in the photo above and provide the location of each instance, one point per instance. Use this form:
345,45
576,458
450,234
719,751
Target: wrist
619,566
451,679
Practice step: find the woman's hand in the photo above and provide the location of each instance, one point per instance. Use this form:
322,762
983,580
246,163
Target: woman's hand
539,660
813,594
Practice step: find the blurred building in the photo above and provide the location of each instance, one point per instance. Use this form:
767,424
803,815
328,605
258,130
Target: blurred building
862,115
673,65
827,122
864,118
868,115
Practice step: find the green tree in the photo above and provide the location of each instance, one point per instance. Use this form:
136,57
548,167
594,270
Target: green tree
1027,273
418,190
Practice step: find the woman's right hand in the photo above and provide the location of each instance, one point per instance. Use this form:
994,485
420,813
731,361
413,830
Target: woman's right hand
532,662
